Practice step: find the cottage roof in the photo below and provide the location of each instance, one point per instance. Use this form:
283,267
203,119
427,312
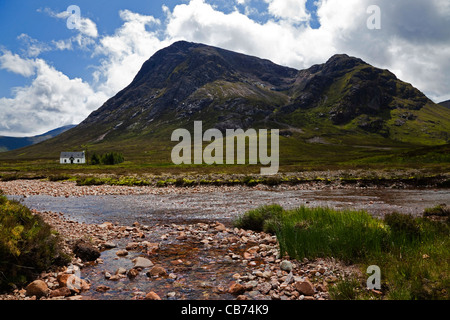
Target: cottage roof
72,154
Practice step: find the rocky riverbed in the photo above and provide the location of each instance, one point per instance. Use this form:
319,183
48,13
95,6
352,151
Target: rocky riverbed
199,261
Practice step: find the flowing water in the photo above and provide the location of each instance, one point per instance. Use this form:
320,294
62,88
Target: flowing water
226,206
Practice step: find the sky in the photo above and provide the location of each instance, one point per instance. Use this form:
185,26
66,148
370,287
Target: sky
60,60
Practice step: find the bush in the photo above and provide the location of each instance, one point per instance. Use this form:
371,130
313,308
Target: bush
90,181
110,158
403,225
260,219
28,246
58,177
272,181
95,159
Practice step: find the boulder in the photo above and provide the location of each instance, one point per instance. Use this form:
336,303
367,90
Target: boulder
102,288
73,282
286,265
132,273
61,292
236,289
157,271
122,253
37,288
85,251
152,296
141,262
305,287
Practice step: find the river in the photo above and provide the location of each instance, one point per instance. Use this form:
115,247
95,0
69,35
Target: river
186,208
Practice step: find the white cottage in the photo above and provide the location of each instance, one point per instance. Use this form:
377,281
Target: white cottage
72,157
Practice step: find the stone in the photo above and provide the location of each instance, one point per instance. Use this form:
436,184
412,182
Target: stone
181,236
152,248
286,265
236,289
61,292
102,288
220,227
132,273
152,296
106,225
173,276
121,270
251,284
259,273
264,287
157,271
141,262
176,262
322,288
248,256
85,251
122,253
289,278
305,288
37,288
132,246
72,282
109,245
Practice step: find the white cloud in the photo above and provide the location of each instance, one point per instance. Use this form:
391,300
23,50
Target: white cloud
14,63
414,40
126,50
292,10
33,47
50,101
414,43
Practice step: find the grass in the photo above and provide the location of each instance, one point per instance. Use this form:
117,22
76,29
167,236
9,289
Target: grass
412,252
28,245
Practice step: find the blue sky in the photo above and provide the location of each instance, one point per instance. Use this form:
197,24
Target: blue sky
51,75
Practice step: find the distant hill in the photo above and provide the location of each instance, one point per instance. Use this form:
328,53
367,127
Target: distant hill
339,110
12,143
445,103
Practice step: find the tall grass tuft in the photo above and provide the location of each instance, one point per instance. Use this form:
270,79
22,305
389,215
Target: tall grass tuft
324,232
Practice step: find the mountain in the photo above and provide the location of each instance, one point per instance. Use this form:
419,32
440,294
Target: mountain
11,143
445,103
344,106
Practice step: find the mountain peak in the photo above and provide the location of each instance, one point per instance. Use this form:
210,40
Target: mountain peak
189,82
